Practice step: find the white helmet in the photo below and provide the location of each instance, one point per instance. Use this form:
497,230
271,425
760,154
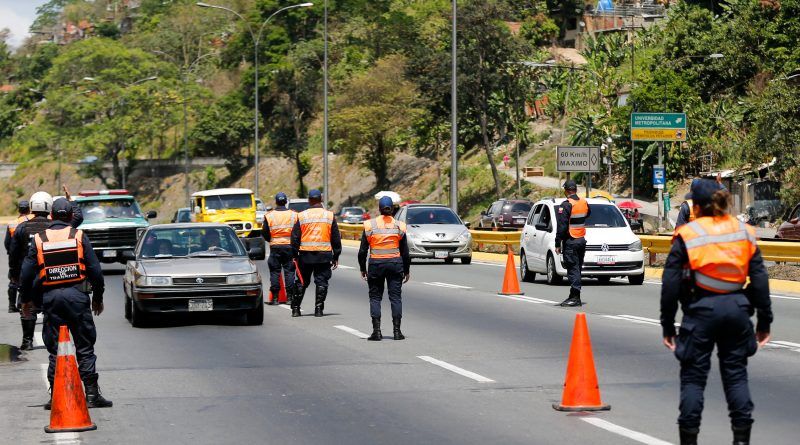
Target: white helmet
41,202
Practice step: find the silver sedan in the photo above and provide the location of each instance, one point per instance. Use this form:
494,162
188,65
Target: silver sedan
434,231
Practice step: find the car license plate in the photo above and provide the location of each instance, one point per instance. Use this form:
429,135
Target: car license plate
440,254
519,220
606,260
201,305
109,254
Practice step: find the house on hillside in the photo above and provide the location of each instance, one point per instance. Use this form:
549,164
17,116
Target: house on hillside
755,192
613,16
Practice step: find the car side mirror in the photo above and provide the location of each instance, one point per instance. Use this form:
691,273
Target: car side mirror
483,212
256,253
543,227
467,224
128,255
152,214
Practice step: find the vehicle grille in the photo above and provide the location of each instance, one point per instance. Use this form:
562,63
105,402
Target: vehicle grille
112,238
611,247
192,281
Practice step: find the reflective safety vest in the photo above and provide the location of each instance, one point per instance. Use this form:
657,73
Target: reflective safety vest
577,219
690,203
315,230
719,250
384,234
12,227
280,227
60,257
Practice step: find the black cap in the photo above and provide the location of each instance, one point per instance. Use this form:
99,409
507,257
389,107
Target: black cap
62,209
24,205
702,190
281,198
570,185
314,194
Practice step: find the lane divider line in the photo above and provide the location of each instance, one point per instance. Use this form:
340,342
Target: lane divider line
285,306
625,432
460,371
784,297
37,339
350,330
447,285
345,267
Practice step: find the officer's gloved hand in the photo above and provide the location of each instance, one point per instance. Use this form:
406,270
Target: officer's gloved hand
97,306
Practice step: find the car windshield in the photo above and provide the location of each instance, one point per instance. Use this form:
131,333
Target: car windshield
603,215
222,202
518,207
432,215
191,242
299,206
353,211
116,208
184,216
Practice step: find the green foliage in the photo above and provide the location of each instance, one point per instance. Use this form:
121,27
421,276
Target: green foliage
221,129
107,29
539,30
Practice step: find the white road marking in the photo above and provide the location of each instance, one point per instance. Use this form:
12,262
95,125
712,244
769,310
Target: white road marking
285,306
44,367
456,369
67,438
637,319
37,339
350,247
528,299
345,267
447,285
350,330
488,264
625,432
784,297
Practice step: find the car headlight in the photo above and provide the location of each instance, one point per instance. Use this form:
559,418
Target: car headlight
247,278
154,281
635,246
248,226
465,236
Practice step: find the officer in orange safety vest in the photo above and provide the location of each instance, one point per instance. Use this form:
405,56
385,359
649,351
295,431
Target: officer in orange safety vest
570,238
59,261
24,215
277,231
707,271
384,241
317,244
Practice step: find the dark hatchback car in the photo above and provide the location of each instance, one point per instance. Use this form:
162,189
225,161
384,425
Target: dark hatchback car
506,213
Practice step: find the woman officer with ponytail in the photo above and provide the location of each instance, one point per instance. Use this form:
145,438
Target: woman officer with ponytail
706,271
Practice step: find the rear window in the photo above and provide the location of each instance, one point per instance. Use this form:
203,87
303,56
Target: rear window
603,215
299,206
353,211
518,207
432,215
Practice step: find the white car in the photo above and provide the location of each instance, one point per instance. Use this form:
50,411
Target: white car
612,249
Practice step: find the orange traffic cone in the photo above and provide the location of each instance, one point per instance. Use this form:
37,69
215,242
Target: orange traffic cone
68,412
581,391
282,293
510,281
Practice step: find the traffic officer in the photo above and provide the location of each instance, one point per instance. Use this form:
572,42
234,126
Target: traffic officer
686,212
41,204
706,271
317,244
277,231
570,238
24,215
58,263
384,239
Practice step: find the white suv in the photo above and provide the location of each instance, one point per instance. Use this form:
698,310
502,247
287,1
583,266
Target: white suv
612,249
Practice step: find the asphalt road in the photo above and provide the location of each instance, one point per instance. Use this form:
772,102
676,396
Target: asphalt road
205,380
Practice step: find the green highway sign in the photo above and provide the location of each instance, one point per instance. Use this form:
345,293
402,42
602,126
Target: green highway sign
658,127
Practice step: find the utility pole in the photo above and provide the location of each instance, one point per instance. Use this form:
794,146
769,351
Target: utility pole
325,193
453,116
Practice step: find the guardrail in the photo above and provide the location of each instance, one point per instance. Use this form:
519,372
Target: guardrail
779,251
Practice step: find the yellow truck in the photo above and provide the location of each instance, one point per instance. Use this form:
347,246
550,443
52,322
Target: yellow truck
232,206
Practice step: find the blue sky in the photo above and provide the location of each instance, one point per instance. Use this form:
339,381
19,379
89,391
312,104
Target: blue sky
17,16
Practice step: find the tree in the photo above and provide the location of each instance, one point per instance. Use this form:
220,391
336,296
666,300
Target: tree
373,115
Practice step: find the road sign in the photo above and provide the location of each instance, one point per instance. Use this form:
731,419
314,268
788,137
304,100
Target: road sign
670,127
659,176
578,159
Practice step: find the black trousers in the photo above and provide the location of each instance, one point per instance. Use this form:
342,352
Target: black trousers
724,321
70,307
280,260
574,249
321,271
392,274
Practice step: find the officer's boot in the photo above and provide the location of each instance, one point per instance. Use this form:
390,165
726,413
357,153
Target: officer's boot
573,300
319,304
398,335
297,299
28,326
274,299
93,397
689,436
741,435
376,330
12,301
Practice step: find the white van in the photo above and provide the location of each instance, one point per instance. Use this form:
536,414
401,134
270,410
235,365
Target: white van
612,249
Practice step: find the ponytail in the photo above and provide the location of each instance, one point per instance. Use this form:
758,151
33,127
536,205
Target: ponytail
721,201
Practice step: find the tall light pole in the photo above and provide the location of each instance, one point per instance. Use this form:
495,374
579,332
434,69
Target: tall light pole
256,40
454,114
325,193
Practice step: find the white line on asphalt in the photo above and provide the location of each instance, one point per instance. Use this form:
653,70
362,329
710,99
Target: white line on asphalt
447,285
285,306
37,339
44,366
67,438
350,330
784,297
528,299
345,267
642,319
625,432
787,344
456,369
488,264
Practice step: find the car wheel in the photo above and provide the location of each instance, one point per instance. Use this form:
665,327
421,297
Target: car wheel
524,272
466,260
636,279
449,260
139,318
128,304
604,279
552,275
255,317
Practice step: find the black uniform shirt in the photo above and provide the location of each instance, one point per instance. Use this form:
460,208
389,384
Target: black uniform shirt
20,242
674,289
562,219
363,252
683,215
313,257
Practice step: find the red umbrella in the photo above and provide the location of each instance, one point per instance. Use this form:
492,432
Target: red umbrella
629,205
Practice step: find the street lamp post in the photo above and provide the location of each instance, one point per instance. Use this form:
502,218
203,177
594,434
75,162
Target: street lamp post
256,40
454,114
325,192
